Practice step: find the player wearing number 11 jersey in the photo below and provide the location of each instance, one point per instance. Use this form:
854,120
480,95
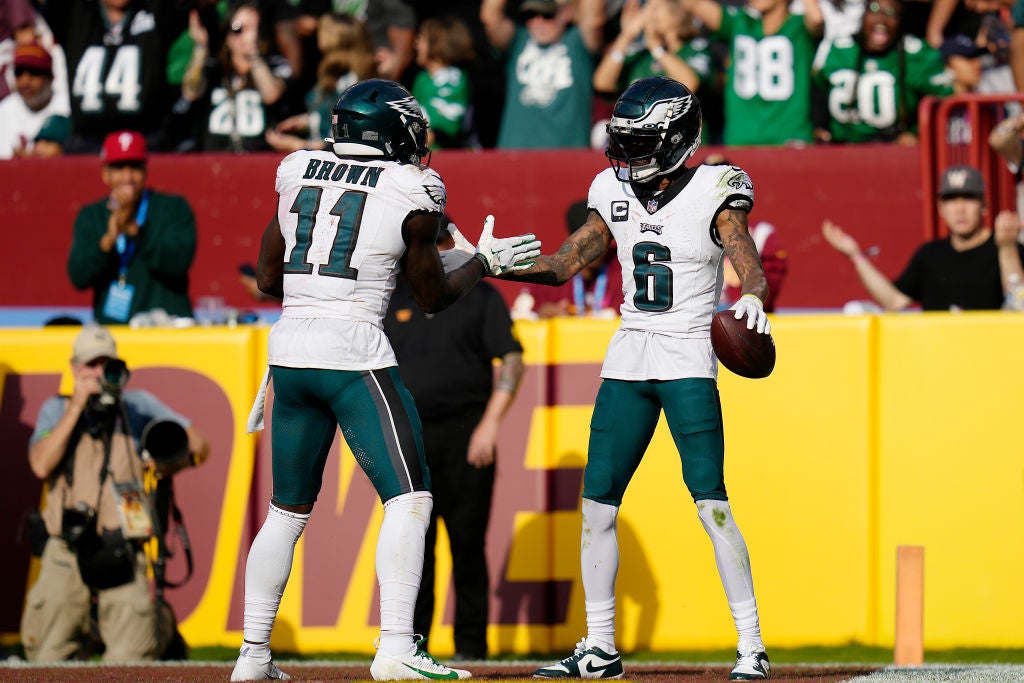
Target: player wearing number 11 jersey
346,221
671,225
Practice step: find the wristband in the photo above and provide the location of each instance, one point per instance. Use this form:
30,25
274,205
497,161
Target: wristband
755,297
657,53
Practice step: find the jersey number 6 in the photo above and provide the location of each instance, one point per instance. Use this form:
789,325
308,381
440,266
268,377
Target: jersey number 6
653,280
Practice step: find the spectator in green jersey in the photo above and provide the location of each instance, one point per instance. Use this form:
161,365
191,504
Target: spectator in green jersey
443,46
876,79
768,88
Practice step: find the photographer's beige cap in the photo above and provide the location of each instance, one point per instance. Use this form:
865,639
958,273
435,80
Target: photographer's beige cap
93,342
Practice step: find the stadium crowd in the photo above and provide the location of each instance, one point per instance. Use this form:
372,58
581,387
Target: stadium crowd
261,75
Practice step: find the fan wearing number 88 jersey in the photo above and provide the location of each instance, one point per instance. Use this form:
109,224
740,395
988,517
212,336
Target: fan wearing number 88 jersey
346,221
767,98
671,224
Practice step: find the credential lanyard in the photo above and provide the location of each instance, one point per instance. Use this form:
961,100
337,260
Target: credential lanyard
579,294
126,247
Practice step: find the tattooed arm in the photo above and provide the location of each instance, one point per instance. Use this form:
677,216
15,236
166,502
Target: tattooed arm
742,252
588,243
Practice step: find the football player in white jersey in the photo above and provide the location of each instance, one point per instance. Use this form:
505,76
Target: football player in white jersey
671,225
347,220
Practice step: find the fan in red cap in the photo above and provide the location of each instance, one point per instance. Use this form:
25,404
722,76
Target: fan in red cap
24,112
124,146
133,248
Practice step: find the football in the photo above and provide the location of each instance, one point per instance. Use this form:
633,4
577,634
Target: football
745,352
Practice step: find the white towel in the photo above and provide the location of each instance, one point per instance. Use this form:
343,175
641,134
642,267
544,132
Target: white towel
255,421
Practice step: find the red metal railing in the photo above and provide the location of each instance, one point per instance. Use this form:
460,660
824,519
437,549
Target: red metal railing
954,130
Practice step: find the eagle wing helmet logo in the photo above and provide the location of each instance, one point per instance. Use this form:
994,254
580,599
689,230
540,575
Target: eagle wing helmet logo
407,106
663,111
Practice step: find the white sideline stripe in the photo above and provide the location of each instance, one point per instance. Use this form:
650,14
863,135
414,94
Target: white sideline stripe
939,673
947,673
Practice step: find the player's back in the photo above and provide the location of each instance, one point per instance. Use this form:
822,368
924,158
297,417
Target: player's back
341,219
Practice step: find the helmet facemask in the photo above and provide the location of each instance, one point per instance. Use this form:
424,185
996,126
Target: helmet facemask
654,128
635,158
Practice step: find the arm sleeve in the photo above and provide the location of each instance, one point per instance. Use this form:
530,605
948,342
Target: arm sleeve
730,17
49,415
498,333
909,281
927,71
88,265
167,244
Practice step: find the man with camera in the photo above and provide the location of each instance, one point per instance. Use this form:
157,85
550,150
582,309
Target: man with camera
94,450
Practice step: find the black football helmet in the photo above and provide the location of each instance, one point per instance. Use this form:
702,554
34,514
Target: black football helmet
382,119
654,129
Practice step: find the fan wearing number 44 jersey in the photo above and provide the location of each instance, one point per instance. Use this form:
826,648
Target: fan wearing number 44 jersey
671,224
347,220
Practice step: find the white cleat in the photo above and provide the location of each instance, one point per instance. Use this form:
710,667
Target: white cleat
416,666
751,666
248,669
587,661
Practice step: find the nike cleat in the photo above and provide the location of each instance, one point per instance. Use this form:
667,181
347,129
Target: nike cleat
586,662
416,666
248,669
753,666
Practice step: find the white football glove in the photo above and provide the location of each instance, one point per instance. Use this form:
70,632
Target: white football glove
505,254
750,306
462,252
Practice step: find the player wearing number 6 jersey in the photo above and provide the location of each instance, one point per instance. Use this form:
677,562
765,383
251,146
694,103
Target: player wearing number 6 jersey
346,221
671,225
768,88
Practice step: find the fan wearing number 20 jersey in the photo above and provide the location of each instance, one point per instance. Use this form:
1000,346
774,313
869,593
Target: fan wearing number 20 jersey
671,258
341,219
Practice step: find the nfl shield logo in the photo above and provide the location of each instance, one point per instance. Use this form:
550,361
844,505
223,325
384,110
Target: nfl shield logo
652,205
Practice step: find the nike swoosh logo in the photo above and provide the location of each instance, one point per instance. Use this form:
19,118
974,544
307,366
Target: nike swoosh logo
594,669
451,675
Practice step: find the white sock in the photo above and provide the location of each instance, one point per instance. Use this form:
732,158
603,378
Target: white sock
266,575
599,563
734,569
400,567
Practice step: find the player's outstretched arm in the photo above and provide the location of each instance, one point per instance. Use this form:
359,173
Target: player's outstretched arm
586,244
270,265
433,289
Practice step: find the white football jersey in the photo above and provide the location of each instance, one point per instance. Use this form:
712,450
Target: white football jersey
671,258
341,220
